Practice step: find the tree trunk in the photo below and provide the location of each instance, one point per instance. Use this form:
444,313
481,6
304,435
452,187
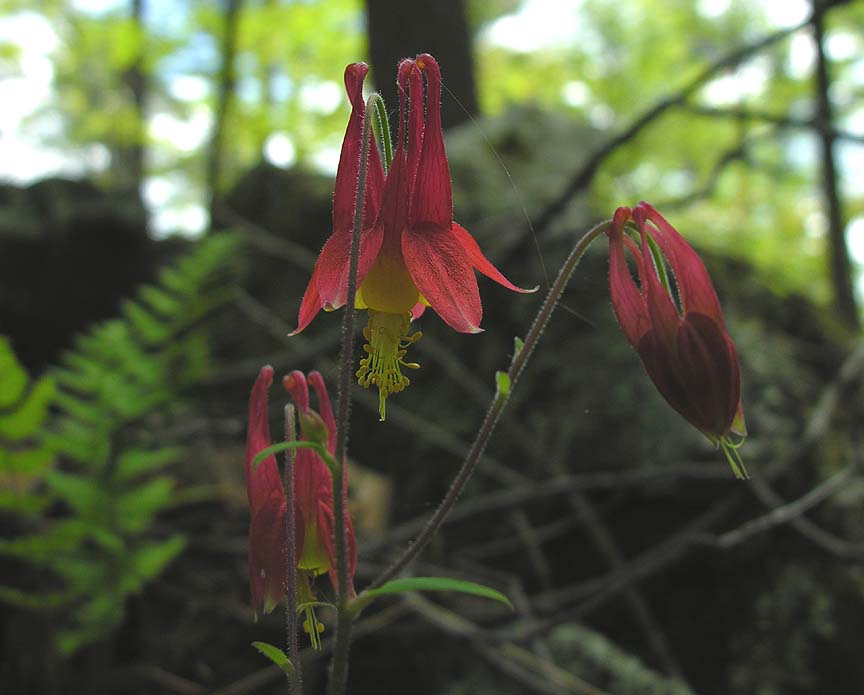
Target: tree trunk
398,29
131,169
841,272
225,96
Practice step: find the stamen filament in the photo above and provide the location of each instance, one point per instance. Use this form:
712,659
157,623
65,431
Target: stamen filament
388,343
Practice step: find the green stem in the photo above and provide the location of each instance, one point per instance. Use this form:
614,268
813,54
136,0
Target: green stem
339,664
499,403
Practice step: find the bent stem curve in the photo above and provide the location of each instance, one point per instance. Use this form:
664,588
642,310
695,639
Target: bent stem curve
496,408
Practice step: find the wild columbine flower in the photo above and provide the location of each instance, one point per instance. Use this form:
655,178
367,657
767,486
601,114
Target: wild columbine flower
412,253
267,506
313,504
313,508
683,344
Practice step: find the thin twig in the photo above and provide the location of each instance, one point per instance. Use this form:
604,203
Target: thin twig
586,173
532,671
780,515
779,120
815,534
495,502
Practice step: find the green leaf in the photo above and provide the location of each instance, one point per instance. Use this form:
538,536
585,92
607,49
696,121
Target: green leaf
276,655
405,584
283,446
13,378
134,462
25,420
518,344
502,384
135,509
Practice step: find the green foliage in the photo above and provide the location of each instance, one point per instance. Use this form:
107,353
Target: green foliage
24,456
121,377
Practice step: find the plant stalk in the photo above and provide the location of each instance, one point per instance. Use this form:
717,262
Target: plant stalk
295,679
339,664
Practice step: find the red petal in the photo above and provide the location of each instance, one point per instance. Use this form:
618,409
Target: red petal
265,555
661,309
694,284
440,268
710,373
349,159
325,408
295,384
627,301
700,378
266,503
418,311
432,196
310,305
264,478
415,122
333,264
480,262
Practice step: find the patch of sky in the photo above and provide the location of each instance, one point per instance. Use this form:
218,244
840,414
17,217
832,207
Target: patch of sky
320,96
801,58
168,17
281,87
198,55
279,150
746,82
96,8
326,159
186,135
189,88
712,9
786,13
536,25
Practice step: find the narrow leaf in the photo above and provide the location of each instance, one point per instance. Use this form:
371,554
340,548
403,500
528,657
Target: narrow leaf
276,655
405,584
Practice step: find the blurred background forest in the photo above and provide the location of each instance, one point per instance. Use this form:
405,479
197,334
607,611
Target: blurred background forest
167,172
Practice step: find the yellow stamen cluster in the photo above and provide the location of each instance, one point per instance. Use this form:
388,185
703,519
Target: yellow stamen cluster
387,344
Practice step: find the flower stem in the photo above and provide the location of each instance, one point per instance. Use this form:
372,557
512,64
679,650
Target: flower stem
497,406
295,678
339,664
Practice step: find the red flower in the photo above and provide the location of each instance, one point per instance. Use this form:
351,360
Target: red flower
412,253
686,351
267,506
313,508
313,505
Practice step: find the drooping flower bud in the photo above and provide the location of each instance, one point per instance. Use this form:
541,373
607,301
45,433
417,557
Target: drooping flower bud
313,504
267,505
682,341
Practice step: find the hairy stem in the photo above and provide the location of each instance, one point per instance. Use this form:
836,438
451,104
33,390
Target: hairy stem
497,407
295,679
339,664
